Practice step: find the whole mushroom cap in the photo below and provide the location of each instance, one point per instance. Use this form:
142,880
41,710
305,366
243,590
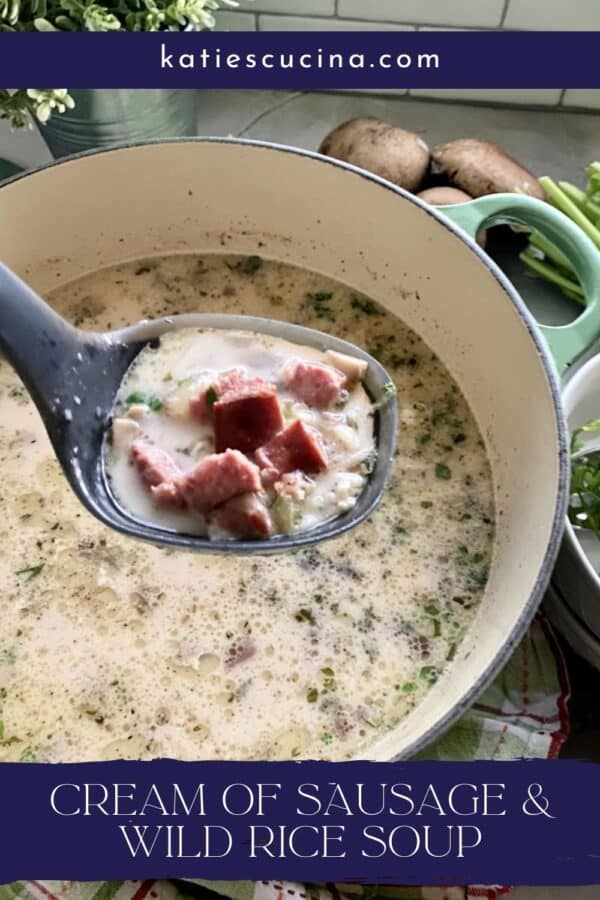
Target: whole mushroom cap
399,156
480,168
444,196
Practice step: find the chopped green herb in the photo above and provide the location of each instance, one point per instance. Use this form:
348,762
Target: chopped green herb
367,621
429,674
400,529
451,652
328,672
250,265
1,730
318,598
211,396
432,610
368,307
388,389
477,557
10,655
31,572
479,577
335,608
425,438
409,687
312,695
28,755
459,438
320,303
138,398
442,471
326,737
426,504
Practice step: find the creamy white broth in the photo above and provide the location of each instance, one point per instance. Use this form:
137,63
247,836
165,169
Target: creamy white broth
110,648
154,405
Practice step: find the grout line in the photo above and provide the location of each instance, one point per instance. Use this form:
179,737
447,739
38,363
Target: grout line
460,101
419,26
504,13
267,112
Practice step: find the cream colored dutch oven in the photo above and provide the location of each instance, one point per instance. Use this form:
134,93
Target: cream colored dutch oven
217,195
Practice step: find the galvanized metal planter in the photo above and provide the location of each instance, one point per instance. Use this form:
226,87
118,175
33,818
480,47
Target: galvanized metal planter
104,117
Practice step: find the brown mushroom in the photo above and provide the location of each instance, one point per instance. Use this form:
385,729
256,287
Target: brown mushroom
446,196
480,168
400,156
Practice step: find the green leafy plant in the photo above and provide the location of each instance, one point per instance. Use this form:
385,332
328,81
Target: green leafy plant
22,106
116,15
584,502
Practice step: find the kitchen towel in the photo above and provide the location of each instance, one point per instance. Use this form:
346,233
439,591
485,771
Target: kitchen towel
522,714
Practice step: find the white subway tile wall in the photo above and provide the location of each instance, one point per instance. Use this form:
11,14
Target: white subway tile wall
302,23
404,15
576,15
477,13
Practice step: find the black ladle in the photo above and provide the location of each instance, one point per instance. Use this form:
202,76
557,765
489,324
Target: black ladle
73,377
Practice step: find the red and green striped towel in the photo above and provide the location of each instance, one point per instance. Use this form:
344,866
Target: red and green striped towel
522,714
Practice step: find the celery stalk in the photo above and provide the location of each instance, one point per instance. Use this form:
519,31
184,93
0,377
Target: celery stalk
551,274
550,251
560,200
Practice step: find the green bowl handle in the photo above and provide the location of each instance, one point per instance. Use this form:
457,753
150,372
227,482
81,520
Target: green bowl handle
566,342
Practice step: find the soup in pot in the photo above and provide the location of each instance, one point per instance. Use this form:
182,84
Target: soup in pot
113,648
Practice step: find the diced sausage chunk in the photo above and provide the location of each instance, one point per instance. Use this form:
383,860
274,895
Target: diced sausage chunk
247,420
230,385
353,368
153,464
244,517
316,385
168,494
296,447
217,478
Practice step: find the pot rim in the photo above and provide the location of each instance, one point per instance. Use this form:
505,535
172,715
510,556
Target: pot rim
560,508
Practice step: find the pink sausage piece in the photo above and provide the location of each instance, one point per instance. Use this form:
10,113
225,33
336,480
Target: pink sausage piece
296,447
247,420
316,385
244,517
153,464
159,472
227,386
217,478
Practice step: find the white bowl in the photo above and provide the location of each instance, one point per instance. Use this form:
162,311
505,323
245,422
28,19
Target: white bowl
576,574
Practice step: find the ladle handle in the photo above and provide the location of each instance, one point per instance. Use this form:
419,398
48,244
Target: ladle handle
37,342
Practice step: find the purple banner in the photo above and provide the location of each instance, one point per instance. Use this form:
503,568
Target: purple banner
302,60
525,822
